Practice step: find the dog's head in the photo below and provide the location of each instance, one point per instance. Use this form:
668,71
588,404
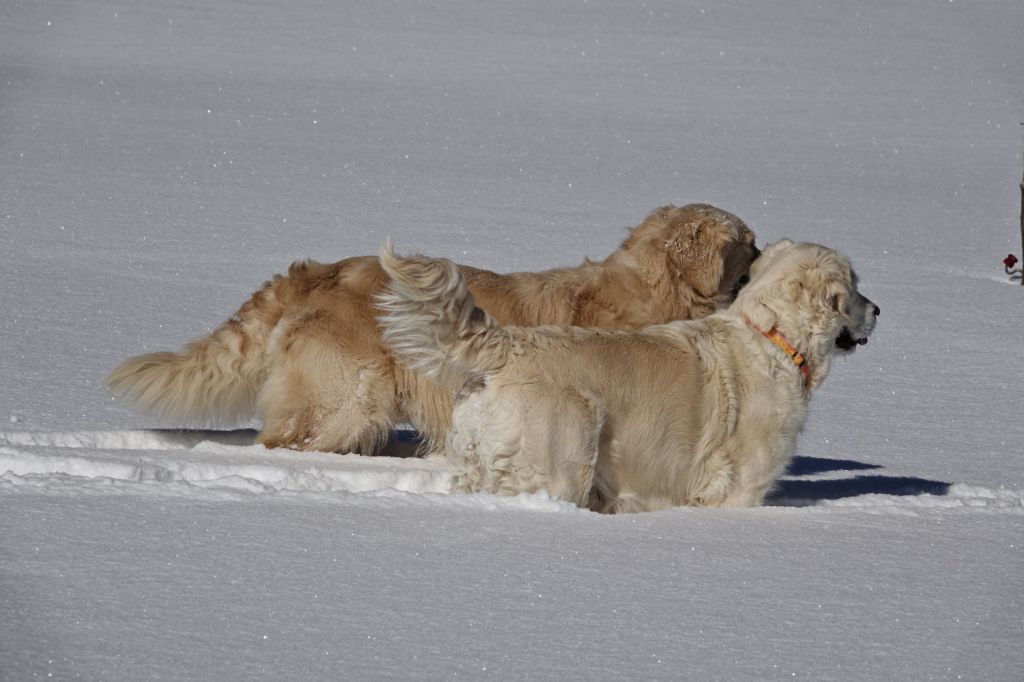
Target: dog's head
698,245
809,294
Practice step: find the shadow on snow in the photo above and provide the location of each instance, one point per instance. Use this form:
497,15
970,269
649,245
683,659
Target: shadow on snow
803,492
402,443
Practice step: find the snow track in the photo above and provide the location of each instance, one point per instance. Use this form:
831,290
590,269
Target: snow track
205,460
224,465
227,464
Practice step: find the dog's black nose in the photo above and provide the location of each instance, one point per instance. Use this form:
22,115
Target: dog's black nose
877,311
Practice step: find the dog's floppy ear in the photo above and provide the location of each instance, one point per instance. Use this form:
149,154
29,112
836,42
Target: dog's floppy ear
829,284
694,250
837,296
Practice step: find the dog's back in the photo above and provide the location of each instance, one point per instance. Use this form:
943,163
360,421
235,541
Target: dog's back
305,352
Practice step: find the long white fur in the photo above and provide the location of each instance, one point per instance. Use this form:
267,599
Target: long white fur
432,323
213,381
704,412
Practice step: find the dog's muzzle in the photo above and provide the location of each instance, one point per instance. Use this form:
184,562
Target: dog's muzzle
846,339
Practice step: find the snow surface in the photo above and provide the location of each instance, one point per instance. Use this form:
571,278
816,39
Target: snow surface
159,160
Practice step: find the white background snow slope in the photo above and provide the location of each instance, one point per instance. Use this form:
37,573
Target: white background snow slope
159,160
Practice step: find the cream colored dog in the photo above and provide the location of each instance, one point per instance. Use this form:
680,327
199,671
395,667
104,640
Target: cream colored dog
305,355
704,412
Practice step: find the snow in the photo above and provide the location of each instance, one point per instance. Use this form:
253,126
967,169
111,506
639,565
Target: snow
159,160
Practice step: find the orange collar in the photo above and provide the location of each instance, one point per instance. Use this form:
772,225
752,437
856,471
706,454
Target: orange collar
798,358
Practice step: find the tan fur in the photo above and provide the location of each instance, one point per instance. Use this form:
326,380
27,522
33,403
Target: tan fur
703,412
305,355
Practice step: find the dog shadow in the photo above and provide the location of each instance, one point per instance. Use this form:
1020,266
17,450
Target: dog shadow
795,492
401,443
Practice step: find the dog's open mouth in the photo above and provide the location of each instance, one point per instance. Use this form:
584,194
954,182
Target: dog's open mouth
847,341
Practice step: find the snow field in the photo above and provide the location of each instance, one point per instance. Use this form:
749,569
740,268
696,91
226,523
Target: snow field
159,160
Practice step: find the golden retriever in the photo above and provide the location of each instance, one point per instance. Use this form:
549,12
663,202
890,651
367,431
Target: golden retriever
701,412
305,354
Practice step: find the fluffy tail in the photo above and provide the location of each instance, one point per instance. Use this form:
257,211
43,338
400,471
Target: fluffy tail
431,323
214,379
